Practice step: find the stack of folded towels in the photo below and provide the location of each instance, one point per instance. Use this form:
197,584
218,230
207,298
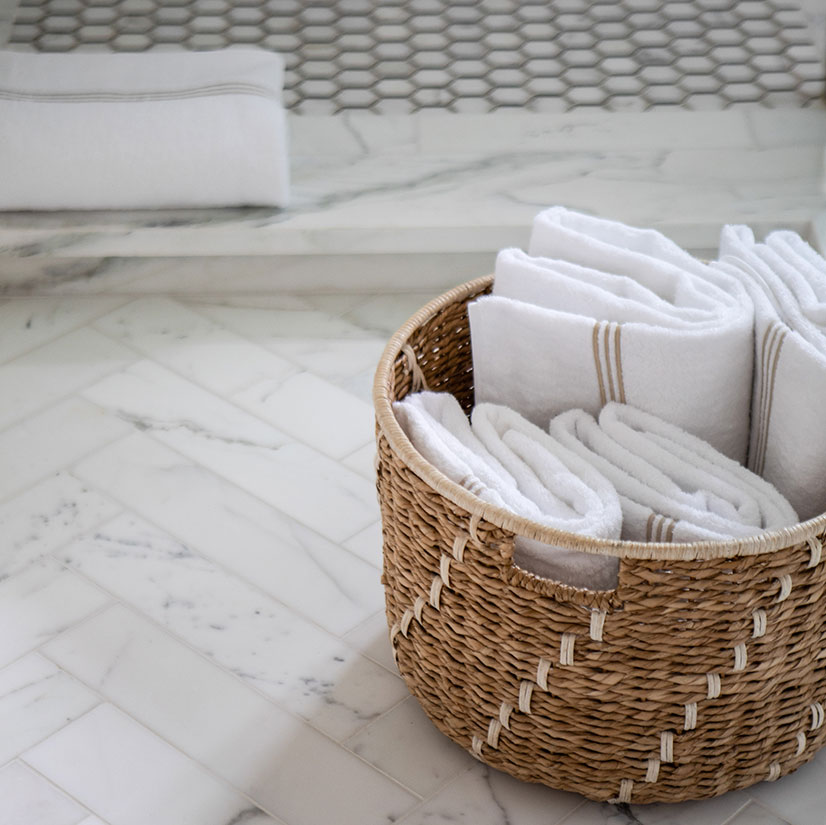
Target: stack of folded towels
138,131
624,389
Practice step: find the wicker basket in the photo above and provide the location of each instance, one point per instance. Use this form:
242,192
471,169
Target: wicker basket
701,673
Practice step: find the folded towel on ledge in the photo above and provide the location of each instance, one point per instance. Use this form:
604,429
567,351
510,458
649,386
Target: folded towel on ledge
787,282
613,313
510,463
672,486
134,131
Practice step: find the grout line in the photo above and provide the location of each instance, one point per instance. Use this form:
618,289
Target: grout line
128,509
66,469
87,322
201,655
88,811
740,810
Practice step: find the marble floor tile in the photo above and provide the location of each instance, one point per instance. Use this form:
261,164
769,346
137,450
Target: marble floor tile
366,544
372,638
799,797
28,799
43,600
27,323
37,699
47,515
193,345
292,477
388,743
312,410
300,666
483,796
321,580
221,723
53,371
754,814
45,443
363,460
128,776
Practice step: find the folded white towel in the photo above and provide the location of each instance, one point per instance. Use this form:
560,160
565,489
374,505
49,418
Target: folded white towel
615,314
787,281
507,461
672,485
132,131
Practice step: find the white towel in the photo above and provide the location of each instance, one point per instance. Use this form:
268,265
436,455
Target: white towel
672,485
615,314
787,282
134,131
507,461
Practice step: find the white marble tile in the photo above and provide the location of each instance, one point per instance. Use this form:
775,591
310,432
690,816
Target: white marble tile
367,544
405,731
701,812
127,776
313,411
269,324
384,314
28,799
279,762
799,797
36,699
40,602
296,479
336,359
372,638
300,568
50,372
92,820
754,814
483,796
303,668
193,345
716,811
27,323
47,442
47,515
363,460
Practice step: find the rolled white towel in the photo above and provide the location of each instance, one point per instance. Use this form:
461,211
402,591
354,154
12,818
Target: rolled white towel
507,461
672,485
612,313
786,279
134,131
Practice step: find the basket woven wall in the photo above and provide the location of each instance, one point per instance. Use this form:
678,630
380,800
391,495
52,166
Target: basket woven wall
701,673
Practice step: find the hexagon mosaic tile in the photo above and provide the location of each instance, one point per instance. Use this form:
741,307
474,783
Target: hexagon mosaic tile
542,55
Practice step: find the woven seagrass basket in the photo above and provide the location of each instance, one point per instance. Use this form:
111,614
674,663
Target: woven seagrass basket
701,673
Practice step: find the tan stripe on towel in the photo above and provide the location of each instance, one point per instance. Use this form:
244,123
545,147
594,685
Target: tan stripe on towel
602,398
618,359
648,527
770,400
765,357
607,342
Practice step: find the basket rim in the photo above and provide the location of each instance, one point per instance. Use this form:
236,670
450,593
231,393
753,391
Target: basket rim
766,542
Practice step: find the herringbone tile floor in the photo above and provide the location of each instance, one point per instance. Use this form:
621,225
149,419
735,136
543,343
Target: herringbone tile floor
191,626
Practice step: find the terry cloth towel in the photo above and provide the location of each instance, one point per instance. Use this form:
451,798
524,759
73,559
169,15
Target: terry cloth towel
612,313
510,463
787,282
135,131
672,486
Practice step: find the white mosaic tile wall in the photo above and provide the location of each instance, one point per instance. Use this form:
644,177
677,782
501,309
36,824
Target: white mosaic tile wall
469,56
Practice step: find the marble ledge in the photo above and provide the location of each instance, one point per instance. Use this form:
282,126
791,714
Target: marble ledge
370,189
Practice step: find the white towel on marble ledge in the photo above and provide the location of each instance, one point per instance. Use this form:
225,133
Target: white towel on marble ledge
612,313
135,131
510,463
672,486
787,282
